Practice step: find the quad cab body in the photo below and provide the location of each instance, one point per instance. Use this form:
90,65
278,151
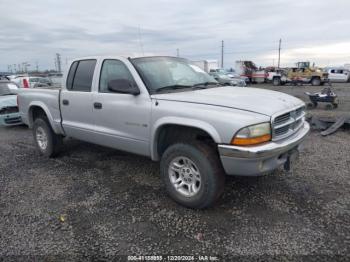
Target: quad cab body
174,113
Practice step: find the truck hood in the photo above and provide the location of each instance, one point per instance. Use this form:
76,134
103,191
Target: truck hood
255,100
9,100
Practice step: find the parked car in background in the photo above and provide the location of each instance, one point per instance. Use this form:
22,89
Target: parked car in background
56,80
338,74
34,81
228,78
21,81
25,81
9,114
41,82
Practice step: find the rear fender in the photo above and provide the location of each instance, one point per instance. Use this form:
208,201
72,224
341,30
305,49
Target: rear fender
56,126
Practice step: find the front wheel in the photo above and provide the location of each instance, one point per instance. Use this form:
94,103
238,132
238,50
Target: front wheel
316,81
46,140
192,174
276,81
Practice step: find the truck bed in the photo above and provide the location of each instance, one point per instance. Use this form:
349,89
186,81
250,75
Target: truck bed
48,99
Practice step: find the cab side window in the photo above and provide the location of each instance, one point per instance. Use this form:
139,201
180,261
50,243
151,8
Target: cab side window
112,70
80,75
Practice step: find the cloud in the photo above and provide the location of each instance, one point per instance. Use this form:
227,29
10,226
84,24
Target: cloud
36,30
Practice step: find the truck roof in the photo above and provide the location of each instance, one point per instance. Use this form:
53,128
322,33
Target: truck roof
118,57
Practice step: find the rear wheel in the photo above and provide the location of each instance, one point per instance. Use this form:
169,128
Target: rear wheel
276,81
329,107
192,174
310,105
45,139
316,81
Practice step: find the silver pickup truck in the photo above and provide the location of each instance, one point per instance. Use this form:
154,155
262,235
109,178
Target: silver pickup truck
173,112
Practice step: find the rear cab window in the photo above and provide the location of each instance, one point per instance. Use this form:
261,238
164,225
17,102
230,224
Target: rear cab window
80,75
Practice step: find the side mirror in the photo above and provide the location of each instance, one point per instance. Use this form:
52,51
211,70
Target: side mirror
123,86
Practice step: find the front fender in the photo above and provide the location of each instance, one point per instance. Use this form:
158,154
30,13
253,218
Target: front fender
181,121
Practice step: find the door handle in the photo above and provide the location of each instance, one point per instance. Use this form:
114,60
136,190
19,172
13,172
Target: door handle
65,102
98,105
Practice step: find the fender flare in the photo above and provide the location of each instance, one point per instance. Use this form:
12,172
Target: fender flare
47,112
180,121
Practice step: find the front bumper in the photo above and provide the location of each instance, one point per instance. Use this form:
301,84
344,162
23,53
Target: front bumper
10,119
261,159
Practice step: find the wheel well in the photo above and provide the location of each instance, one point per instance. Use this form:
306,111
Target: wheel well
170,134
36,112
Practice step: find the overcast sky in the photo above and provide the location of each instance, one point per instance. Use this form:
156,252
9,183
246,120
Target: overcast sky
33,31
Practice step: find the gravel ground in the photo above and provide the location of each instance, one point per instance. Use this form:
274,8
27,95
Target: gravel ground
97,202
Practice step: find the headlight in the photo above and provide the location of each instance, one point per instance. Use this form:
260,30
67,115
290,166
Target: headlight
252,135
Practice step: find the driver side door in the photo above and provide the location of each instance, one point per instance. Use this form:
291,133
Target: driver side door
122,120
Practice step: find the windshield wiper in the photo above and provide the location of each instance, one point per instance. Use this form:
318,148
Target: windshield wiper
172,87
205,84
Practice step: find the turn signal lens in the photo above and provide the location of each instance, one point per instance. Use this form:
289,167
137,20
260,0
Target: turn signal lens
250,141
252,135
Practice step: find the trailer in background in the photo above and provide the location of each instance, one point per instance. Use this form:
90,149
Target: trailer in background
206,65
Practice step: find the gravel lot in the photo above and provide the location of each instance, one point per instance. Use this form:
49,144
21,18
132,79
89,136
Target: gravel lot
95,201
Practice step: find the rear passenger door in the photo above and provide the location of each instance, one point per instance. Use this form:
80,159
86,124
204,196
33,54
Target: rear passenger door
76,101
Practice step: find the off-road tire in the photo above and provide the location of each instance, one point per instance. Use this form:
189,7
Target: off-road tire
212,174
329,106
276,81
54,142
316,81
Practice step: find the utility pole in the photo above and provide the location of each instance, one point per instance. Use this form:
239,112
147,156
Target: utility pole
58,61
279,53
222,54
177,52
37,66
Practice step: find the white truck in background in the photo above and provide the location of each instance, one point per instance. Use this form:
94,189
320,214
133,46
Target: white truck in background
250,70
338,74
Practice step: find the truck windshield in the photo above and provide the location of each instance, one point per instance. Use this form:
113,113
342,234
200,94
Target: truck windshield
171,73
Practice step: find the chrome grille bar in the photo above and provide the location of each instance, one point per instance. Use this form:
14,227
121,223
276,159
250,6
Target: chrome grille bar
288,123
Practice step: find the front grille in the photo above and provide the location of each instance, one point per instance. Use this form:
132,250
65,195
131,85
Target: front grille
288,123
9,110
13,120
282,119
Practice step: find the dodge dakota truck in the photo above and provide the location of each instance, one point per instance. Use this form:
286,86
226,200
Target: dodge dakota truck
173,112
